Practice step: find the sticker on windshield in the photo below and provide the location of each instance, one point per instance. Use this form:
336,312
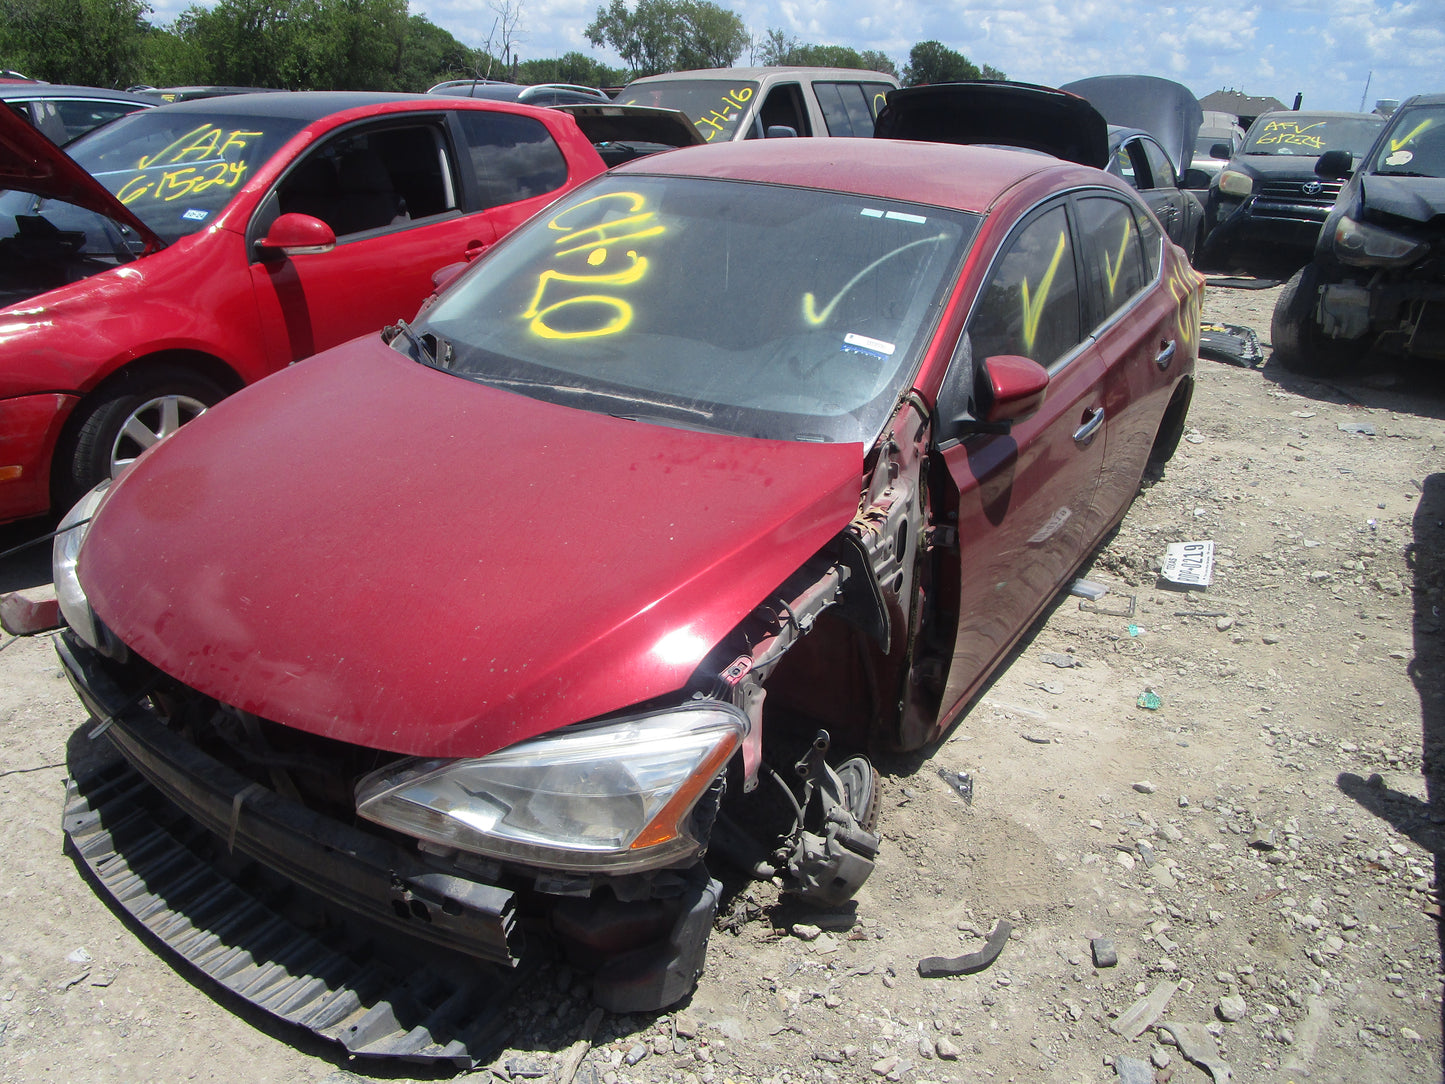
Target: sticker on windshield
195,214
896,216
1399,158
854,343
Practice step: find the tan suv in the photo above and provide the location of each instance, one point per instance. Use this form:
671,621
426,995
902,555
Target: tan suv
751,103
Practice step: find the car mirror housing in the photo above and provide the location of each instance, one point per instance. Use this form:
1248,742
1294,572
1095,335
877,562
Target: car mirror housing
1013,387
782,131
296,234
1335,165
1221,150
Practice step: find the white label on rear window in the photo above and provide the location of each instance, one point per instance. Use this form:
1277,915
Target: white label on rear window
195,215
869,212
863,342
1399,158
899,216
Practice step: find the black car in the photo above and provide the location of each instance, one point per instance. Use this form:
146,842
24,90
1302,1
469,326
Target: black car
66,112
537,94
1052,121
1377,279
1268,203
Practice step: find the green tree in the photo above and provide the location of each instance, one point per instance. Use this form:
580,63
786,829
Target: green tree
431,55
778,50
669,35
93,42
572,67
934,62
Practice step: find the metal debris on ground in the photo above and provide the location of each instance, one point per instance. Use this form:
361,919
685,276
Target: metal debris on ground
1088,589
961,782
1362,429
932,967
1105,955
1190,564
1196,1044
1037,739
1149,700
1059,659
1137,1018
1123,609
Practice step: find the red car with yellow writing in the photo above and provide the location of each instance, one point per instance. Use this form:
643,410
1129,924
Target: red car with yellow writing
505,627
181,253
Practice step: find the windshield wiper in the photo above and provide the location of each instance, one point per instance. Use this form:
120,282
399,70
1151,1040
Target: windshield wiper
437,353
573,389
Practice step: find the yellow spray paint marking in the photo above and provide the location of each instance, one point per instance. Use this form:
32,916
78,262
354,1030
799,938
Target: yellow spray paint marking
717,118
199,161
614,314
1034,306
810,304
1415,133
1113,267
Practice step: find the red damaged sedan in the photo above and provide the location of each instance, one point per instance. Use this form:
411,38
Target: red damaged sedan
180,253
504,628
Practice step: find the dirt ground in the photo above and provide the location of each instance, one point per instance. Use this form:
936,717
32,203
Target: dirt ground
1259,848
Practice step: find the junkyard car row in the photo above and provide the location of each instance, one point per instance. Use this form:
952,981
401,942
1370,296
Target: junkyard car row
722,470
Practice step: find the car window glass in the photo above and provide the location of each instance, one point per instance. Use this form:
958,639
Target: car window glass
80,117
1415,146
1030,305
1114,263
176,170
1151,241
1161,170
759,310
1310,135
513,158
371,179
877,95
784,106
715,106
1122,166
845,109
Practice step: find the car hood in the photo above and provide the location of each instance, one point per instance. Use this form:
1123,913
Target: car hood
998,114
1279,167
604,123
1416,198
29,162
378,552
1166,110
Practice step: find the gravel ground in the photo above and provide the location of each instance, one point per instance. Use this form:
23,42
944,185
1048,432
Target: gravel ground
1258,849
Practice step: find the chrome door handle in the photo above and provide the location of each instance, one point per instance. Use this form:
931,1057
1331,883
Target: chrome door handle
1086,432
1165,356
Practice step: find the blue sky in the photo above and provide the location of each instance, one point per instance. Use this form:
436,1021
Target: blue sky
1323,48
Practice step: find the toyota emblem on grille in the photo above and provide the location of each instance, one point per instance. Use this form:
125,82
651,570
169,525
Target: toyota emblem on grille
1312,188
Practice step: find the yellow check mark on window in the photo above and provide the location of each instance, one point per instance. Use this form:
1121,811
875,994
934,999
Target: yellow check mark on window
1034,304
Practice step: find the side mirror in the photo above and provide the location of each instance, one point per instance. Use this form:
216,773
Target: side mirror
1194,178
296,235
781,131
442,277
1221,150
1016,387
1335,165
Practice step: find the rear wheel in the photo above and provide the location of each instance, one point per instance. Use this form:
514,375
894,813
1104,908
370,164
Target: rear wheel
1300,345
140,409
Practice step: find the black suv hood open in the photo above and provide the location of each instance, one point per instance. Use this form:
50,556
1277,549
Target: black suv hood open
1166,110
998,114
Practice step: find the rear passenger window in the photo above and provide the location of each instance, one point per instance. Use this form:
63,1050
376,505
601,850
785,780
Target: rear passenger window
1114,262
1161,170
1030,306
513,158
846,109
1152,240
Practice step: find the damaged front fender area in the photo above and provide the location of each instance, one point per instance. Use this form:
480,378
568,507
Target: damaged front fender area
831,655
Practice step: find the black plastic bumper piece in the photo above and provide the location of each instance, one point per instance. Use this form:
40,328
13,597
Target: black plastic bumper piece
283,950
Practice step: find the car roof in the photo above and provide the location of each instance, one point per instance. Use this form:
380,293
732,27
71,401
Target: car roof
65,91
965,178
761,74
1424,99
303,105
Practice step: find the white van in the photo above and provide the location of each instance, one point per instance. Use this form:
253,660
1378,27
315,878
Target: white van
752,103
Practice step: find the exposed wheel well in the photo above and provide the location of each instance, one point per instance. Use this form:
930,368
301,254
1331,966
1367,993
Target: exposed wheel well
1171,430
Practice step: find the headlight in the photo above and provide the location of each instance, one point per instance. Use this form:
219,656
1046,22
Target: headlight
1363,245
64,554
613,797
1234,183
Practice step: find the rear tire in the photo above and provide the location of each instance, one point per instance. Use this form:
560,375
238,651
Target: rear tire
138,410
1300,345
